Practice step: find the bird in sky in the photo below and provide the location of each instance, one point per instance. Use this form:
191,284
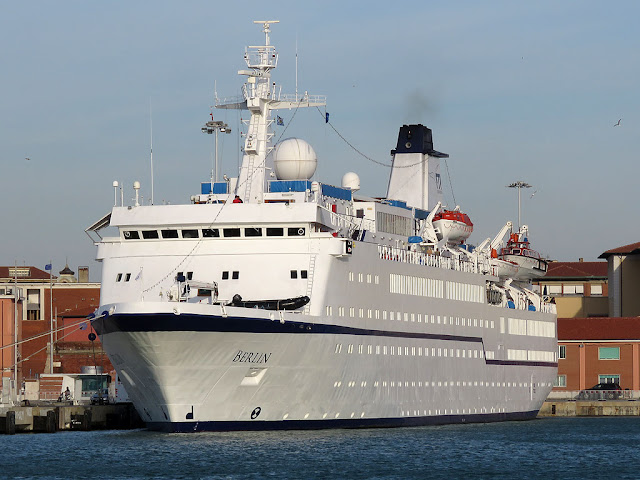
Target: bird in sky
533,194
27,158
617,124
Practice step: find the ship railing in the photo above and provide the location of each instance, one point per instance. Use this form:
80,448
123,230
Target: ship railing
387,252
593,395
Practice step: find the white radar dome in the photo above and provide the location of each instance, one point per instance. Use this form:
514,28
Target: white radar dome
351,181
294,159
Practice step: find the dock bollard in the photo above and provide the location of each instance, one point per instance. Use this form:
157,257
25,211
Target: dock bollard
52,422
10,423
86,420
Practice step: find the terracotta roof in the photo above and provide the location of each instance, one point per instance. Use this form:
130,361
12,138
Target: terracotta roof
631,249
577,269
599,328
34,273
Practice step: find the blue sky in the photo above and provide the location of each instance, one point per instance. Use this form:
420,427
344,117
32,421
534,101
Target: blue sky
512,91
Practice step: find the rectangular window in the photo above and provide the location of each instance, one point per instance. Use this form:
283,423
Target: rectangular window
131,235
149,234
231,232
235,275
569,289
296,232
294,274
275,232
555,289
225,275
204,292
303,274
562,351
118,277
252,232
127,277
169,233
189,275
210,232
609,379
609,353
191,233
596,289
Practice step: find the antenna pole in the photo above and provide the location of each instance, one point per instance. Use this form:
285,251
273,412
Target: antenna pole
51,317
296,66
151,143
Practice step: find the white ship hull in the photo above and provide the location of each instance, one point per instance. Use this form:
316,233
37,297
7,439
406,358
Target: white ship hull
192,366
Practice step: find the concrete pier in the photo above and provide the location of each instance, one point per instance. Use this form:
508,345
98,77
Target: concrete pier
589,408
52,418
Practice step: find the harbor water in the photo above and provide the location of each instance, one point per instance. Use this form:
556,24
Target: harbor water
563,448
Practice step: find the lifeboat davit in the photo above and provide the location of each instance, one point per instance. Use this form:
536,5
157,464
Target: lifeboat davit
453,226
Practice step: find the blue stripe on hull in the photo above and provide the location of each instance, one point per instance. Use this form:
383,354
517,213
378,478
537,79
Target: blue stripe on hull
257,425
168,322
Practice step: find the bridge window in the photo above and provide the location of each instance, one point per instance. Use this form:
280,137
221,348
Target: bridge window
169,233
275,232
210,232
252,232
131,235
191,233
231,232
149,234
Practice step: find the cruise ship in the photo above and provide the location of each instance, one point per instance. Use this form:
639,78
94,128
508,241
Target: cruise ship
275,301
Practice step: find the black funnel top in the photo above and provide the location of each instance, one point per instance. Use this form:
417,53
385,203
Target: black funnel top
416,139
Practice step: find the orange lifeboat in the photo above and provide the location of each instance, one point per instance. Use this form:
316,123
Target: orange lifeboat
453,226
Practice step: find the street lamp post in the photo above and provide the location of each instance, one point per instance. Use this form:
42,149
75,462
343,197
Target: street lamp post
519,185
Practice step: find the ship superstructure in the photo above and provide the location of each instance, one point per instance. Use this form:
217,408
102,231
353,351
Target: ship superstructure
290,303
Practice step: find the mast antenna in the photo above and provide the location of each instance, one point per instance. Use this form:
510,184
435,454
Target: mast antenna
151,144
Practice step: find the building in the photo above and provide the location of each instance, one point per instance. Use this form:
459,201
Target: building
598,350
580,289
604,349
624,279
43,303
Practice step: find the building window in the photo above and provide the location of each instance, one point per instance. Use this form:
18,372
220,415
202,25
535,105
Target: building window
609,379
562,351
555,289
561,381
608,353
596,289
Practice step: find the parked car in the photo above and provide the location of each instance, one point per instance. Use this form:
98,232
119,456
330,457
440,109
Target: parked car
601,391
101,397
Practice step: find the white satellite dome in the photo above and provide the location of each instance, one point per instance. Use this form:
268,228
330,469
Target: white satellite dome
294,159
351,180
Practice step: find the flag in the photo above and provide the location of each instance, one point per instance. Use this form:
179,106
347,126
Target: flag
279,120
47,266
326,117
83,326
139,275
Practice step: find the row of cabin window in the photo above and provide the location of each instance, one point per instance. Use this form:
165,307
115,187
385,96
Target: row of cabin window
214,233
